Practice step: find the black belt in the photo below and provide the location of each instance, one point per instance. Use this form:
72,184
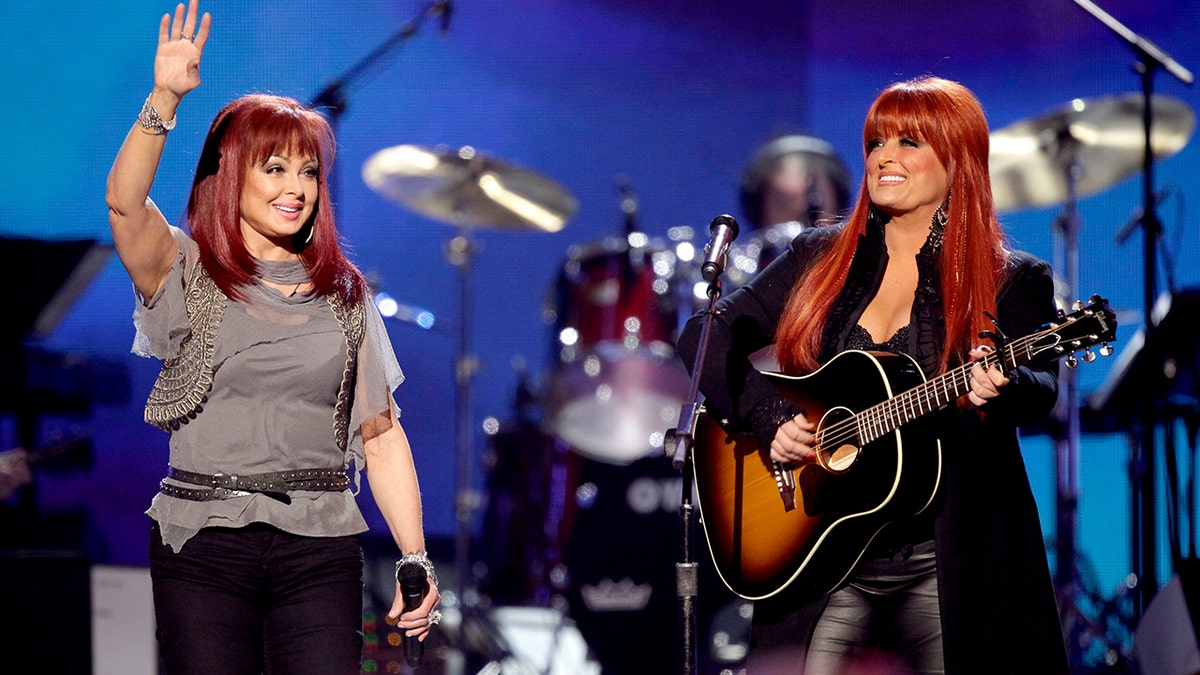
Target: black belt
275,484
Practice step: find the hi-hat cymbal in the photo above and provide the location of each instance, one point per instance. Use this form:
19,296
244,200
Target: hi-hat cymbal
1103,139
464,188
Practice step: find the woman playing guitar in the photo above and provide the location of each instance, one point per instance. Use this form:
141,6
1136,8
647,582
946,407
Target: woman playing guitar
952,576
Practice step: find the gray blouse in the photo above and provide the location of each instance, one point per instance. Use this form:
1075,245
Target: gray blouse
277,367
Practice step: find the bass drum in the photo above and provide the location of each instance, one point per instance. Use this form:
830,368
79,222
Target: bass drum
618,384
621,539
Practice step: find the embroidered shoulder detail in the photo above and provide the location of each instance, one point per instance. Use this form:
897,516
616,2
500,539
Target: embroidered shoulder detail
353,322
183,383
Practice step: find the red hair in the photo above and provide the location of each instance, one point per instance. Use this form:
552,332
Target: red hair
973,253
244,134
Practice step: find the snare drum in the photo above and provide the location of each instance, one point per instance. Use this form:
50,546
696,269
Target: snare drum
618,384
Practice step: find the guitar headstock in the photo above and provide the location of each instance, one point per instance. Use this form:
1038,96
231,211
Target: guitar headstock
1085,327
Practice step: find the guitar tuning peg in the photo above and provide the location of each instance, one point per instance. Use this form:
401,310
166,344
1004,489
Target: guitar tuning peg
1088,356
1077,305
1106,349
1072,362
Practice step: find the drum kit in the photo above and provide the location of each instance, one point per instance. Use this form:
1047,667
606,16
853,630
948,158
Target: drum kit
616,384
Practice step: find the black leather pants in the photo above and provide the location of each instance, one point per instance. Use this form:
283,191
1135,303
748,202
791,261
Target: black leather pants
887,617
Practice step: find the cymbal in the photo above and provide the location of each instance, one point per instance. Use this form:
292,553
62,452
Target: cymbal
1102,138
464,188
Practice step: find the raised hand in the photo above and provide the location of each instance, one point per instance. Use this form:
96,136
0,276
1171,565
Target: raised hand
180,45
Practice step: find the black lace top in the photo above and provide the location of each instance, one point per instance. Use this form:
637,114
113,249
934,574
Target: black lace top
860,339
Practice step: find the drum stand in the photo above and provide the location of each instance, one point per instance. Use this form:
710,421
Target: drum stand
478,635
460,252
680,440
1065,431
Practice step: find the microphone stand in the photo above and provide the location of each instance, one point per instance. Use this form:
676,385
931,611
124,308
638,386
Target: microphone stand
1142,474
681,438
332,98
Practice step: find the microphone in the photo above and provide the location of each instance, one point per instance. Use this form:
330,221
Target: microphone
414,584
722,231
446,8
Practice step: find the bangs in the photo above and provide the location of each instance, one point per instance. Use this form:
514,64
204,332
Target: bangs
280,127
924,111
900,112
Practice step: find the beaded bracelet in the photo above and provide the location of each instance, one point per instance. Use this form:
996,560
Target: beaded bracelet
152,122
421,559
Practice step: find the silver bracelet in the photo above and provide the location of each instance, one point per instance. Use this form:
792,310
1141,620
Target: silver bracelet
152,122
421,559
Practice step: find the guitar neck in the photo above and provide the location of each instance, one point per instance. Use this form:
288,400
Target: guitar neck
935,394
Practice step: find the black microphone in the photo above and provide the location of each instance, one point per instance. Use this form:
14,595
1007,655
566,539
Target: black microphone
722,231
447,7
414,584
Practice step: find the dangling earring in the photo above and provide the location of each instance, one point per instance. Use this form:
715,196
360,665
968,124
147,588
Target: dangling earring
937,228
311,227
939,216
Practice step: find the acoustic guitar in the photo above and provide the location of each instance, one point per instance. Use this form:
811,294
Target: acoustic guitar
774,526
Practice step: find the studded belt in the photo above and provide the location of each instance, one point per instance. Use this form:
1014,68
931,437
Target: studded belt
275,484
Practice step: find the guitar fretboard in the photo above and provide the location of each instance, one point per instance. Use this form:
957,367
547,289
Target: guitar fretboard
884,418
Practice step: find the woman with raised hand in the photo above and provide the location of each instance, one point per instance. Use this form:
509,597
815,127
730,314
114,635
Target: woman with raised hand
276,388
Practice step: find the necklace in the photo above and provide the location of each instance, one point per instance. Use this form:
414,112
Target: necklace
285,273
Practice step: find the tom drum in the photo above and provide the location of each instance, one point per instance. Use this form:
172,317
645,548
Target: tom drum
618,383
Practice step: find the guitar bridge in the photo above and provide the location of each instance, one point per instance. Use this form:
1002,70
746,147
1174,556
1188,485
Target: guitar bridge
785,481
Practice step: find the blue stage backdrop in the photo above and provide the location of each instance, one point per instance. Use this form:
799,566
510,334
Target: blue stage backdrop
673,95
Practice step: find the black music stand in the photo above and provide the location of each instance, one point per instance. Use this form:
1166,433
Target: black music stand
1161,365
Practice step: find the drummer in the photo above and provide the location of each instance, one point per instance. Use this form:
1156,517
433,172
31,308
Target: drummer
788,183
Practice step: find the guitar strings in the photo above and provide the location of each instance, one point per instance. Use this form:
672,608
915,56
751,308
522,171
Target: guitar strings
846,430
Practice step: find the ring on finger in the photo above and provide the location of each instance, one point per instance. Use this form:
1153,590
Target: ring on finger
435,617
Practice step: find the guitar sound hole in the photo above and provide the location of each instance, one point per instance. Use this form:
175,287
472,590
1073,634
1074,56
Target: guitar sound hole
840,459
833,429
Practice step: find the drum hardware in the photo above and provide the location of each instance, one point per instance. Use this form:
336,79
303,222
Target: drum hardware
467,190
464,187
1099,139
1058,157
1150,59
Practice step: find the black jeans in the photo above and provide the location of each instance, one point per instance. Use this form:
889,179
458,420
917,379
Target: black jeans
255,600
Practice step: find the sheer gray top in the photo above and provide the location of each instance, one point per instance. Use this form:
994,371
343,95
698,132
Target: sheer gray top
277,367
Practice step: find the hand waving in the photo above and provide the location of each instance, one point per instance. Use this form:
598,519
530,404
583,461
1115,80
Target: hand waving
180,44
